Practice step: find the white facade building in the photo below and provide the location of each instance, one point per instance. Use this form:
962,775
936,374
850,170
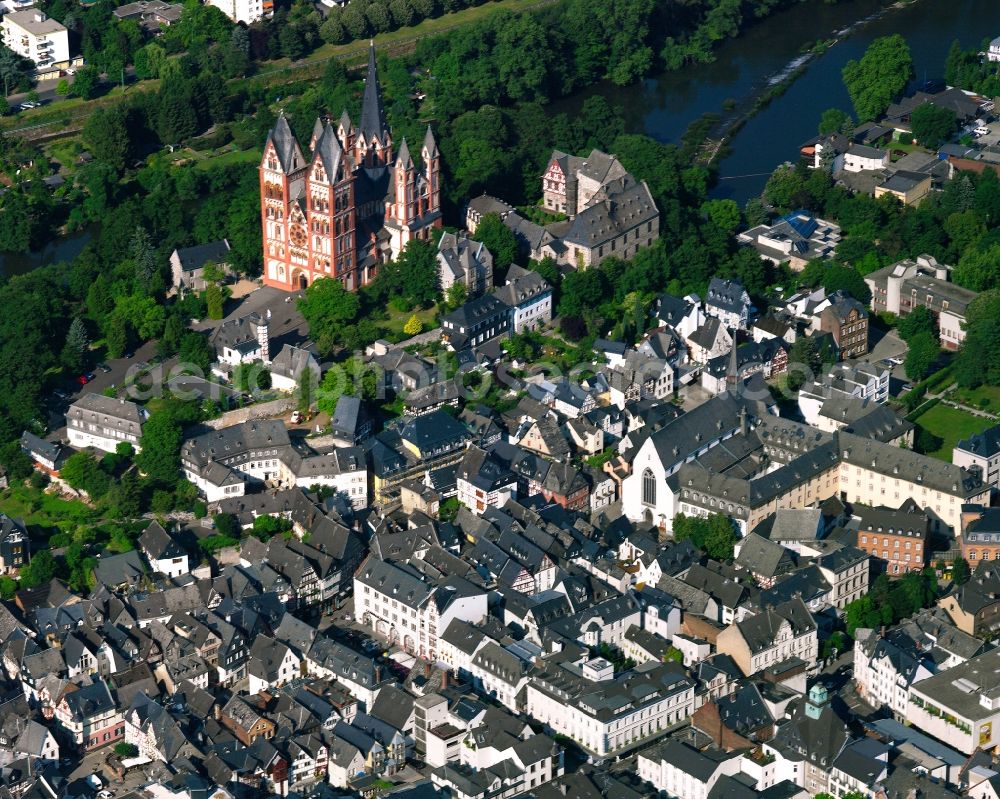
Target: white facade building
603,712
33,35
245,11
104,422
395,602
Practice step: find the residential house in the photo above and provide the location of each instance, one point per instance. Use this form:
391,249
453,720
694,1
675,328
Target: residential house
164,554
897,536
291,365
90,716
187,264
770,637
33,35
846,320
529,297
797,238
475,323
605,712
104,422
14,544
980,450
923,282
464,261
397,603
728,302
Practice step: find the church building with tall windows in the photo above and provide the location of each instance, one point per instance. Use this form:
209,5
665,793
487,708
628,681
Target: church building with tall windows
352,204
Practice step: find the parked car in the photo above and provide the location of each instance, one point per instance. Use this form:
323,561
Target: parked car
104,367
85,378
981,132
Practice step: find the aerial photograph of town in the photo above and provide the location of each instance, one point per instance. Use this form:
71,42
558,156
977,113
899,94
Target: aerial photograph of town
483,399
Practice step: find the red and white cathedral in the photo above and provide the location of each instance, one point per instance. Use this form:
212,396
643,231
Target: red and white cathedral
351,205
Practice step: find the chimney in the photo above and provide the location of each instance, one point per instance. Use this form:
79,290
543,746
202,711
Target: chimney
264,339
378,673
427,669
217,711
444,680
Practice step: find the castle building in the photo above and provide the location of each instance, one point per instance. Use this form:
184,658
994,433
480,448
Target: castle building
351,205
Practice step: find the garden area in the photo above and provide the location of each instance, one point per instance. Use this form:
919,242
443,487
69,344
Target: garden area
940,427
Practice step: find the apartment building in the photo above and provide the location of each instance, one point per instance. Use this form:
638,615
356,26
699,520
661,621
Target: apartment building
981,450
37,37
399,604
223,463
898,537
909,284
104,422
771,636
873,473
245,11
604,712
960,706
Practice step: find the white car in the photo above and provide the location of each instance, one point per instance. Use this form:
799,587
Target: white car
982,131
105,795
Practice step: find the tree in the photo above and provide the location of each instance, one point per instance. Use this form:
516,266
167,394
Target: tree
923,354
249,378
919,320
126,750
960,572
456,295
86,83
227,525
215,300
413,326
62,88
143,257
106,134
327,306
724,213
413,276
160,447
715,535
880,76
979,269
833,120
40,570
195,350
499,240
77,346
933,125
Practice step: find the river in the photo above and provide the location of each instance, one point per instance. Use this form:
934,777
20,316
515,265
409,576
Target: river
665,105
64,248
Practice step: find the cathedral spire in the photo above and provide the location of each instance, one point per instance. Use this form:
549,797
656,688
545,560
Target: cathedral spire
733,373
403,158
373,124
430,148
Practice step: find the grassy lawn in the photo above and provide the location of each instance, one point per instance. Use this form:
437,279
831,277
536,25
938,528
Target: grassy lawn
975,397
397,319
357,50
946,426
45,510
213,161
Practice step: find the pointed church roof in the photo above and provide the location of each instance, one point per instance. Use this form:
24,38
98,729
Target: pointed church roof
403,157
373,124
345,121
329,151
430,148
285,145
317,131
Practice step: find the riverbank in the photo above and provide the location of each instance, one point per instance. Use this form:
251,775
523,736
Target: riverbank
738,114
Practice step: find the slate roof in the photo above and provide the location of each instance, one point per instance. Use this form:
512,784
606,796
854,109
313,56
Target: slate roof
193,258
629,205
